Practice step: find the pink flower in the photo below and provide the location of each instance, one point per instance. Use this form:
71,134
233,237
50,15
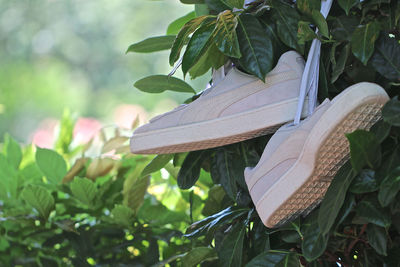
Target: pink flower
86,129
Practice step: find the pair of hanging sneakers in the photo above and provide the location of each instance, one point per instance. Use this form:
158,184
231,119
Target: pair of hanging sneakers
299,161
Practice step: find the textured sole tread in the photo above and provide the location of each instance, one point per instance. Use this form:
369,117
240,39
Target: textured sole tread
333,153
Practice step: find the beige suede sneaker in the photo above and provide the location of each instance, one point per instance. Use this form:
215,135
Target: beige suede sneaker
300,161
237,108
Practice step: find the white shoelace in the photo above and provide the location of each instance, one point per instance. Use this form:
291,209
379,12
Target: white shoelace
309,80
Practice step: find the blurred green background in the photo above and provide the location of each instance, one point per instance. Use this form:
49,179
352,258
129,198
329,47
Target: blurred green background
58,55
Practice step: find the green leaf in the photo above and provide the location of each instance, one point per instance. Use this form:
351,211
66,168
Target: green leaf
230,252
228,169
39,198
386,58
161,83
343,27
122,215
234,3
364,149
13,151
320,21
199,43
287,19
51,164
201,10
275,258
217,5
84,190
197,255
190,170
371,212
363,41
225,36
175,26
389,188
314,242
307,6
381,129
212,58
365,182
192,1
152,44
391,112
209,224
304,32
212,205
156,214
377,238
255,46
157,163
134,189
338,68
348,4
334,198
182,36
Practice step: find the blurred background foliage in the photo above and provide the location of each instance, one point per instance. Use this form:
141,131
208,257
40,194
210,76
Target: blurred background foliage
71,54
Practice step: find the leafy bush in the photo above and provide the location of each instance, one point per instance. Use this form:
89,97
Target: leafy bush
108,212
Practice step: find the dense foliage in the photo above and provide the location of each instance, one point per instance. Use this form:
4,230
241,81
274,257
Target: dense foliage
128,210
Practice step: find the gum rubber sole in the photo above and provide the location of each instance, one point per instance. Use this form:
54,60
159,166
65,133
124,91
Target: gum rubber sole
332,154
210,143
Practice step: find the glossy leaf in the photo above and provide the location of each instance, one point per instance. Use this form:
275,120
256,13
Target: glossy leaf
373,213
217,5
212,58
389,188
348,4
386,58
39,198
338,68
377,238
363,41
211,223
182,36
365,182
227,169
225,36
364,149
381,129
175,26
84,190
320,21
255,46
334,198
275,258
152,44
287,20
198,45
230,252
304,32
51,164
234,3
190,170
157,163
212,205
391,112
161,83
314,242
197,255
